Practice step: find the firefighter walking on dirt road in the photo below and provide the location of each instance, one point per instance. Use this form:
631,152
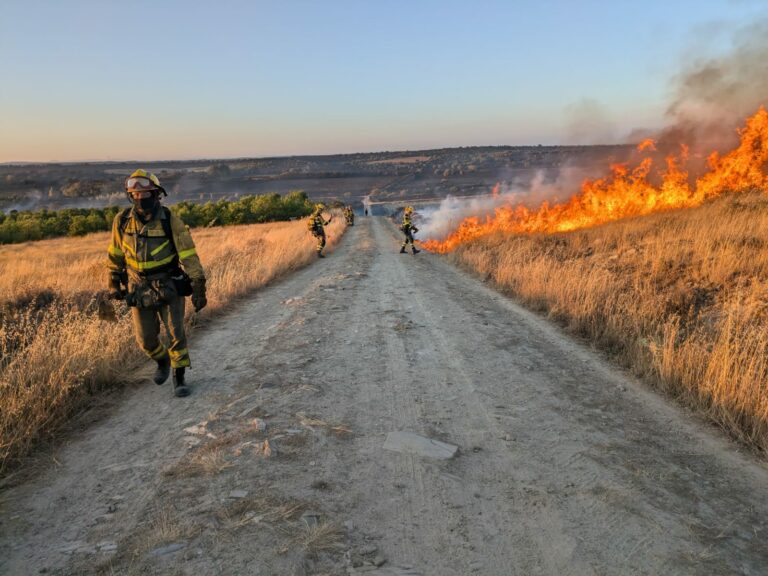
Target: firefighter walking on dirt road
317,226
409,230
149,243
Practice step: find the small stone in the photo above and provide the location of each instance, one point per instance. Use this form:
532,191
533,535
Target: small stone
369,549
191,441
349,525
259,424
238,494
268,384
197,429
379,560
106,546
410,443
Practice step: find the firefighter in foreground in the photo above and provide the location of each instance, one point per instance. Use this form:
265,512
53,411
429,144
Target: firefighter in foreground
409,230
349,215
148,244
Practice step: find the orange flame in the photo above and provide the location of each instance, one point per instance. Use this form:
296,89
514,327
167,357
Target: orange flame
647,144
628,192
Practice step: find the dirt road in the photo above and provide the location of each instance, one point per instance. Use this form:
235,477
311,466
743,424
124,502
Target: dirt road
564,465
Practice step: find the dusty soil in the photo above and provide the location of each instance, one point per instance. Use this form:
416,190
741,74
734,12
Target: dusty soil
565,465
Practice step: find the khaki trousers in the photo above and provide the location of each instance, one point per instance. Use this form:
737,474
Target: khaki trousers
146,325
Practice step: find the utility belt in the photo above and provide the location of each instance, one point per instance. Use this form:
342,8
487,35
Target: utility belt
151,291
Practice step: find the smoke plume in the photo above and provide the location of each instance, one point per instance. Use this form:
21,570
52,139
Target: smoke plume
711,97
438,222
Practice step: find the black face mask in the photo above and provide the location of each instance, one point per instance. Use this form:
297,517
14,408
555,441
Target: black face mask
146,205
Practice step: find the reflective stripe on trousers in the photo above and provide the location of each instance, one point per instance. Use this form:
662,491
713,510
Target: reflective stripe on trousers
146,325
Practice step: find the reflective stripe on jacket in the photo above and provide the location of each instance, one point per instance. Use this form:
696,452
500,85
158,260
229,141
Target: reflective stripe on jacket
144,247
317,224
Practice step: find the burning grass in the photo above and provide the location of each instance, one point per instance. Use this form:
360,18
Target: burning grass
56,351
681,297
633,191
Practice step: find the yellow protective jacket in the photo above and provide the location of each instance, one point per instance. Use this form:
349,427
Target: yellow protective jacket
407,225
316,223
144,249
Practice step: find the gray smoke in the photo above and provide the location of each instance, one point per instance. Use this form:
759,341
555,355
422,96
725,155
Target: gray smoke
588,122
437,222
713,96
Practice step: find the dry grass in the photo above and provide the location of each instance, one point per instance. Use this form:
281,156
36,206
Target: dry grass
325,537
55,350
681,297
268,509
336,429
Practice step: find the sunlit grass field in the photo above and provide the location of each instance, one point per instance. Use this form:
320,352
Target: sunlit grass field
57,350
680,297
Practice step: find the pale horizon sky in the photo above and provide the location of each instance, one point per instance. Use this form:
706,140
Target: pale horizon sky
139,80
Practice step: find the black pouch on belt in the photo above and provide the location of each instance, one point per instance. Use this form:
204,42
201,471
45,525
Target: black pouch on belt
182,281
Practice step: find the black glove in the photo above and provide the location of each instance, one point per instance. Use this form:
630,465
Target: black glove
116,282
199,301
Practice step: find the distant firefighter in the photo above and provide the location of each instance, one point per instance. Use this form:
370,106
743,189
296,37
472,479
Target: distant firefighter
317,226
149,247
349,215
409,230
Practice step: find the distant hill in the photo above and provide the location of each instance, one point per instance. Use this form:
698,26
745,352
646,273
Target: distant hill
385,176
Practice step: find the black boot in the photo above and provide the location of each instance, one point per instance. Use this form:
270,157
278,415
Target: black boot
402,250
320,255
163,370
414,250
180,389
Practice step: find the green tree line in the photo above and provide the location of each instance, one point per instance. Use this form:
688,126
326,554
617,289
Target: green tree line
23,226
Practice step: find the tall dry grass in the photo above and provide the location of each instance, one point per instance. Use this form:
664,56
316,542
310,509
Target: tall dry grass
55,351
681,297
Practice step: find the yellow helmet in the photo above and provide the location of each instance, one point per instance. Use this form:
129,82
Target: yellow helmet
142,180
319,207
409,209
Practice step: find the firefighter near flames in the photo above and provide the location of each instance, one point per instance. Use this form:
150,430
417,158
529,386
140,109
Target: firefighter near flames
316,226
409,230
153,266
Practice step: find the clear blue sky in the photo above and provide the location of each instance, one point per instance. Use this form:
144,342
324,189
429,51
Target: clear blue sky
186,79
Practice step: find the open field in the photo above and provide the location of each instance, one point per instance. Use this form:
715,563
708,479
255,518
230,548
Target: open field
681,297
298,451
55,350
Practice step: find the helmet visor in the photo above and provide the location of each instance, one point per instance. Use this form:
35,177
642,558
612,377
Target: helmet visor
138,194
139,183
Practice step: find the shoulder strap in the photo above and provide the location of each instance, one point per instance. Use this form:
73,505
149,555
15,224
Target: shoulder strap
125,215
166,222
